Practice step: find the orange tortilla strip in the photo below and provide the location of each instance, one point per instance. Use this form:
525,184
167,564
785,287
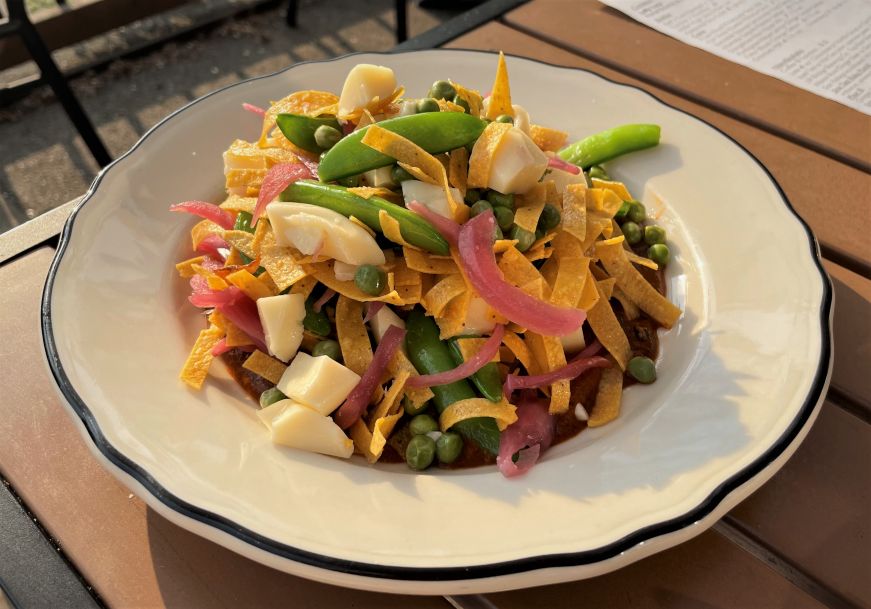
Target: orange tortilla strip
311,103
381,430
630,309
633,284
362,438
250,285
390,228
234,336
458,169
472,97
353,337
241,240
608,330
481,159
323,272
617,188
263,365
401,364
196,366
281,265
503,412
203,229
574,211
262,234
608,397
442,293
185,267
500,97
367,192
392,400
529,207
549,355
304,286
569,282
453,318
237,203
215,282
549,140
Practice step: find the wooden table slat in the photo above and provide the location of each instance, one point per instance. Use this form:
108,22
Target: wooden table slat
852,336
601,33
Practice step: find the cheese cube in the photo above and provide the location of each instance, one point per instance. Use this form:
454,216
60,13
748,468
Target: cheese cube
430,195
292,424
319,382
383,319
517,164
281,317
363,84
574,342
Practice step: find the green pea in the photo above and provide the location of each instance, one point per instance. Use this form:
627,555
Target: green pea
472,196
243,222
349,182
598,173
326,137
654,235
550,218
420,452
642,369
505,118
462,103
399,175
480,207
497,233
636,213
370,279
658,252
442,89
422,424
632,232
270,396
411,409
525,238
427,104
316,322
497,199
504,217
539,234
448,447
330,348
620,216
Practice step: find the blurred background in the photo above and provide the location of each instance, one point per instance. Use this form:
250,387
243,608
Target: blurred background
129,63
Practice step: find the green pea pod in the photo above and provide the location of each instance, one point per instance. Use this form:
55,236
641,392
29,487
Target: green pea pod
300,129
243,222
487,380
430,356
414,229
609,144
435,132
316,322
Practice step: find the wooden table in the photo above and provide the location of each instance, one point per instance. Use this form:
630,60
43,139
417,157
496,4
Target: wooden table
803,540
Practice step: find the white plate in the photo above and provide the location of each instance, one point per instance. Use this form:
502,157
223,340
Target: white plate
740,377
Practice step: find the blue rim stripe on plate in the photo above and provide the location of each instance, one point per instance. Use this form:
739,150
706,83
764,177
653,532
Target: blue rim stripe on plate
521,565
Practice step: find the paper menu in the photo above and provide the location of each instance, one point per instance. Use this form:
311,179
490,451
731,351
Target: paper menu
823,46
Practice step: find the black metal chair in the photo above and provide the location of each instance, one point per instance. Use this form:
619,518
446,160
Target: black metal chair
18,23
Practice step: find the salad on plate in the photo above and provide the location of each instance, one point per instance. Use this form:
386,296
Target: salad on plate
436,280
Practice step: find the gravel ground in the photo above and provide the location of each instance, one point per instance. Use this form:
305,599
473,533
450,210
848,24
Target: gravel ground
44,162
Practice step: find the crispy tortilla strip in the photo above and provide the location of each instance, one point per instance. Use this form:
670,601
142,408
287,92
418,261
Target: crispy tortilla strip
608,330
381,431
400,364
605,201
407,152
630,309
203,229
539,252
263,365
404,275
458,169
597,223
375,107
608,396
390,228
311,103
241,240
641,260
281,265
574,211
453,318
250,285
263,235
529,207
501,246
418,174
392,400
481,159
362,225
237,203
215,281
568,284
502,411
185,267
353,338
234,258
323,272
469,347
567,246
549,140
589,294
304,286
606,287
613,257
500,97
618,188
442,293
365,119
449,106
516,269
362,438
549,355
196,366
472,97
519,349
367,192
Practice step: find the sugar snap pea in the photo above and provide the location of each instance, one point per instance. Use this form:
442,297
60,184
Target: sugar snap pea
430,355
487,380
435,132
300,129
414,229
611,143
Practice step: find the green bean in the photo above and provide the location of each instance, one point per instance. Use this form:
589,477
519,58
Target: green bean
598,173
435,132
420,452
620,216
609,144
430,355
414,229
300,129
487,380
316,322
243,222
449,446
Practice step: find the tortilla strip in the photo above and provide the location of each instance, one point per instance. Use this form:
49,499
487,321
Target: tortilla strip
613,257
607,329
241,240
262,235
569,282
400,364
500,97
574,211
453,318
426,263
196,366
549,140
281,265
503,412
352,334
381,430
323,272
630,309
458,169
390,228
549,355
608,397
263,365
237,203
304,286
203,229
641,260
517,269
250,285
529,207
362,438
617,188
472,97
392,400
442,293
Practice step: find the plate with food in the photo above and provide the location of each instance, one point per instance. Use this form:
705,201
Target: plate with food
438,322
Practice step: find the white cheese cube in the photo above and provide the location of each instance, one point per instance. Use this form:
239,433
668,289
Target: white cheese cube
517,163
480,317
344,271
574,342
318,382
312,229
364,83
281,317
292,424
430,195
383,319
376,178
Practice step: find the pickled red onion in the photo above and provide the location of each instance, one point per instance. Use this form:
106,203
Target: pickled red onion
479,264
324,299
558,163
579,364
254,109
243,312
372,309
355,404
529,436
212,245
206,210
277,179
221,347
448,229
206,298
467,368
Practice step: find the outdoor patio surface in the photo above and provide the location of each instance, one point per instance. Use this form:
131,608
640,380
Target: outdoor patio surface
43,162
